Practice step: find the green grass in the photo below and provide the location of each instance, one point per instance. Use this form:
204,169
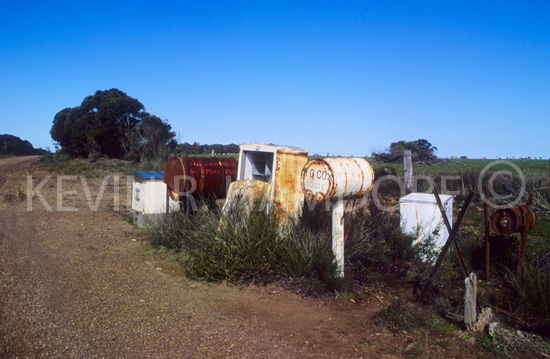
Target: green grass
63,164
457,166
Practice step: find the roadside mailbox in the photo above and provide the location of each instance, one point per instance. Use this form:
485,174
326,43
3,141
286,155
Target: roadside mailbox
149,197
336,179
421,217
333,178
270,170
199,176
510,220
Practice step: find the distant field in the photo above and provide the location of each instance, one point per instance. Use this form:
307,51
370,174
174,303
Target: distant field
476,165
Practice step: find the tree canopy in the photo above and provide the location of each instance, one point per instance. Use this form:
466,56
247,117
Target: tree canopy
110,123
13,145
421,150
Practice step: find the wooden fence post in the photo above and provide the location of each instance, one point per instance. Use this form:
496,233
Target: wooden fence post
407,170
470,293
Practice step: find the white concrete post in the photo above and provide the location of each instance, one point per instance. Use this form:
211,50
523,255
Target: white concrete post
338,235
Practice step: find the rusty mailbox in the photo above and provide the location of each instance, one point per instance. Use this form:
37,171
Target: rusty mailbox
270,170
339,177
510,220
203,176
336,179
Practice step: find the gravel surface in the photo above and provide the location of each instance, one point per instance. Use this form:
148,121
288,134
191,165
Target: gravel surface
73,286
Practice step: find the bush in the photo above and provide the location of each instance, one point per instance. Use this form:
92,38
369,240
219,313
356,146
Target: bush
403,315
534,287
253,246
376,248
247,246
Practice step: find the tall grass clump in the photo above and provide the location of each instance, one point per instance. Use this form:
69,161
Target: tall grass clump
534,286
247,245
378,251
251,244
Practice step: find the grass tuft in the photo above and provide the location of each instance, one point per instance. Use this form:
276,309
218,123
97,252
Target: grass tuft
248,246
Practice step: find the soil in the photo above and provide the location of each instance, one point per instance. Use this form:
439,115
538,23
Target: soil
79,281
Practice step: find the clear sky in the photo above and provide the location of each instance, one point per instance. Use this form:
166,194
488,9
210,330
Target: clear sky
344,77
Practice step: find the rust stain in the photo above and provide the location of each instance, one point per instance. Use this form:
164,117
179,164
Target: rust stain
309,172
245,193
287,191
361,175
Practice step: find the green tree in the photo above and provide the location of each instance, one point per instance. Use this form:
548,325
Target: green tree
152,137
105,123
421,150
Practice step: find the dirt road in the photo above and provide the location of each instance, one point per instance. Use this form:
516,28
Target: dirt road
77,282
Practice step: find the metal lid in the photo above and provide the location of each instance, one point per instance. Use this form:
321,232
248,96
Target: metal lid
424,198
148,175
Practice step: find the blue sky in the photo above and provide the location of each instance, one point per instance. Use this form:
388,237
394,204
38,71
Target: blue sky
344,77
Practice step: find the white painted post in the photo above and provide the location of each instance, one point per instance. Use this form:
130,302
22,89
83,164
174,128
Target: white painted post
338,235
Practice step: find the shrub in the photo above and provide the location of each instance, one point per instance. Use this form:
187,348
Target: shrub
254,246
535,286
246,246
403,315
377,248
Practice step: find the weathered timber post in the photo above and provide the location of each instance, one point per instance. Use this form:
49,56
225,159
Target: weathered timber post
407,170
470,293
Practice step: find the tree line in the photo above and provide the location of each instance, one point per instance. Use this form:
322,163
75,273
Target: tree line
13,145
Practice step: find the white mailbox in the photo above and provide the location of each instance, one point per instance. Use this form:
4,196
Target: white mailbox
421,217
149,197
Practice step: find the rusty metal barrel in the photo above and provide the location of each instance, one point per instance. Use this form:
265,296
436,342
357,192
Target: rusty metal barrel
510,220
206,176
339,177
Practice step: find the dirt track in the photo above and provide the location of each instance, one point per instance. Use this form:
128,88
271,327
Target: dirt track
77,283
